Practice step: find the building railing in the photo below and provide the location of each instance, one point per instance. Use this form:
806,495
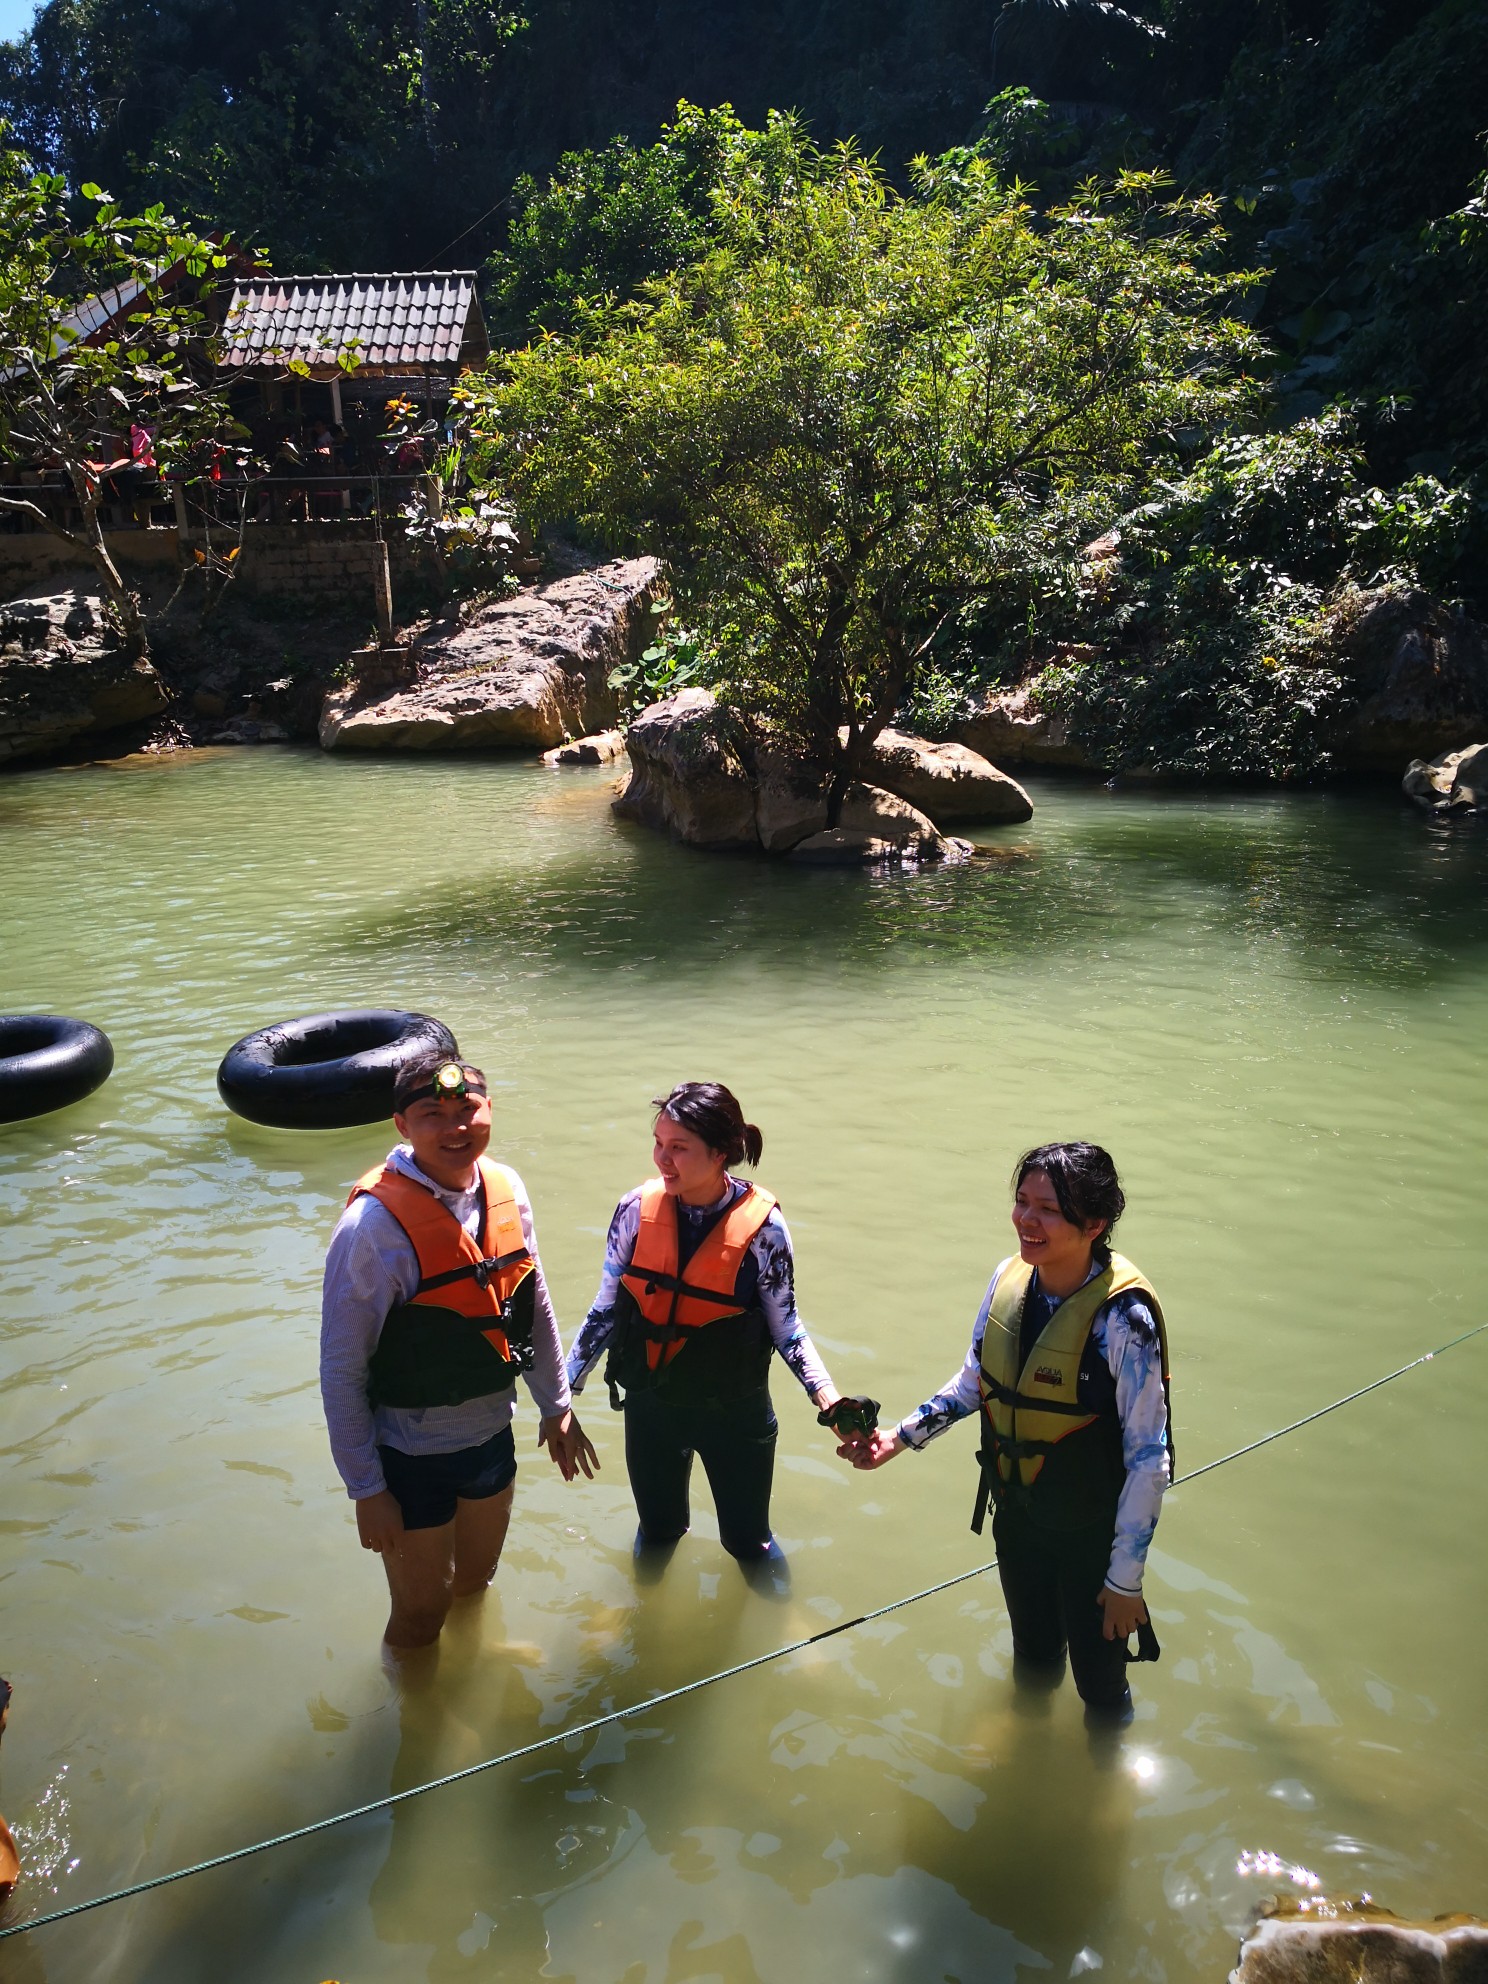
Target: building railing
187,504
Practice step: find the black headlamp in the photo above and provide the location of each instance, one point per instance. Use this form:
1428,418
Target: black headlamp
450,1080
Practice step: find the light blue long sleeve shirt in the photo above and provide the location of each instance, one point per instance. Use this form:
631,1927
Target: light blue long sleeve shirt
371,1266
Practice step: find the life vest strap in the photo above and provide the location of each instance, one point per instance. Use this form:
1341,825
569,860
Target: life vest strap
478,1271
1023,1402
674,1284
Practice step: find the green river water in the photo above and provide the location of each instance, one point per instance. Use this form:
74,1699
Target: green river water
1275,1012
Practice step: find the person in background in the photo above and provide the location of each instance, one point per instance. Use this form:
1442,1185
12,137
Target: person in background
434,1301
1068,1366
10,1859
697,1293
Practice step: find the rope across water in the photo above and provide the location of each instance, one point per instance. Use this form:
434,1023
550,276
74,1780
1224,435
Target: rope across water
673,1694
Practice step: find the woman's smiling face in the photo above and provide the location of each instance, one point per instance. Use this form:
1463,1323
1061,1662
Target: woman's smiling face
1056,1246
685,1163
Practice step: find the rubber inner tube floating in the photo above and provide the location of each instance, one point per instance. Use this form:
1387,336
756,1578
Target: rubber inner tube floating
328,1071
47,1061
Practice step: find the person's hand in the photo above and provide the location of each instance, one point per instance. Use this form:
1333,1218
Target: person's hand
1124,1612
380,1521
873,1451
569,1445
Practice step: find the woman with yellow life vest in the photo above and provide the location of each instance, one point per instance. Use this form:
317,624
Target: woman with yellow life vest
434,1303
1068,1370
698,1291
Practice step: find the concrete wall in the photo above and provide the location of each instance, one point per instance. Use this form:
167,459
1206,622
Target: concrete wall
33,561
323,564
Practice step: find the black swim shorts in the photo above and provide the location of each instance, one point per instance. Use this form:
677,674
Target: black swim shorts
427,1486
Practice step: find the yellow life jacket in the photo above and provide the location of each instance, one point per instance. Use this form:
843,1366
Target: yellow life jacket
1031,1455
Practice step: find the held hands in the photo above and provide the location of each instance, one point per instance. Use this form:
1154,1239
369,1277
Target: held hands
569,1445
873,1451
853,1419
1124,1612
379,1521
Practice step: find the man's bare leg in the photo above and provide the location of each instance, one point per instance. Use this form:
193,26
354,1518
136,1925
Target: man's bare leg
419,1569
480,1531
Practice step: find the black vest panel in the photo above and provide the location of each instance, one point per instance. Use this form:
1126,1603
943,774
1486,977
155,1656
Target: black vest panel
428,1356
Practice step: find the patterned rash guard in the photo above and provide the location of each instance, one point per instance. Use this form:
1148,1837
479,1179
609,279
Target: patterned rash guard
768,1277
1122,1365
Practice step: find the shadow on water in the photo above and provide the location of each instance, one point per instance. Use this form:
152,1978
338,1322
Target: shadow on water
1340,885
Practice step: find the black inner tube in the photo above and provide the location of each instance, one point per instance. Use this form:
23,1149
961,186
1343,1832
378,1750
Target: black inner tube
328,1071
48,1061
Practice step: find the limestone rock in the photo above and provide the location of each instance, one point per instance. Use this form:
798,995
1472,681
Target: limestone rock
949,782
1006,729
878,827
790,802
65,677
525,672
1456,782
688,774
1421,669
841,847
601,749
1357,1942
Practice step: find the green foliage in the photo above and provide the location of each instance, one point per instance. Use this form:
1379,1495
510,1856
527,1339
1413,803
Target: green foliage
1200,646
675,659
607,222
75,370
1231,698
474,538
833,427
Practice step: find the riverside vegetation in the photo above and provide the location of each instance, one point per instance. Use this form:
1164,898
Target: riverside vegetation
1140,387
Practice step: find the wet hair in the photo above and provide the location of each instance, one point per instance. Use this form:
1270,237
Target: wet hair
419,1070
712,1112
1084,1180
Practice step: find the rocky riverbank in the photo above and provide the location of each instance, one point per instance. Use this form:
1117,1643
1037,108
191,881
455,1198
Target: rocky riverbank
524,673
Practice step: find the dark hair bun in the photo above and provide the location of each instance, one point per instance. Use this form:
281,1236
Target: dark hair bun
712,1112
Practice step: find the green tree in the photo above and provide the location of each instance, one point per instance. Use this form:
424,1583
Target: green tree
840,426
608,221
98,324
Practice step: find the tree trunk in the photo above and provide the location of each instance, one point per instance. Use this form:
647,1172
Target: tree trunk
131,626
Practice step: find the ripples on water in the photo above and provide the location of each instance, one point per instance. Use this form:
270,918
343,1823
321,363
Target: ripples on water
1272,1009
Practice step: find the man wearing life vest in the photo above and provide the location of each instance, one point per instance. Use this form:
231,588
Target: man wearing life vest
698,1292
434,1301
1068,1370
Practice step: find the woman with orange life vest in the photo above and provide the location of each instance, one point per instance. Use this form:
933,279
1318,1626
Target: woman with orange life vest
434,1301
698,1291
1068,1369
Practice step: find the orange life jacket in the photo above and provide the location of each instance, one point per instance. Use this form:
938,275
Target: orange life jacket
460,1334
673,1305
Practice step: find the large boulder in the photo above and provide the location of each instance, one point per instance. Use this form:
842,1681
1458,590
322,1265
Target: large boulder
952,784
522,674
696,773
876,827
689,773
65,677
1455,782
1421,672
790,802
1006,728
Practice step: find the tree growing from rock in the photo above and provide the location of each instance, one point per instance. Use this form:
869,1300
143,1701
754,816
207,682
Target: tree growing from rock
839,425
99,325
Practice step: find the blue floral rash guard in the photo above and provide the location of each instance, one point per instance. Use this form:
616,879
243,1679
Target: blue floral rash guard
1122,1365
768,1276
